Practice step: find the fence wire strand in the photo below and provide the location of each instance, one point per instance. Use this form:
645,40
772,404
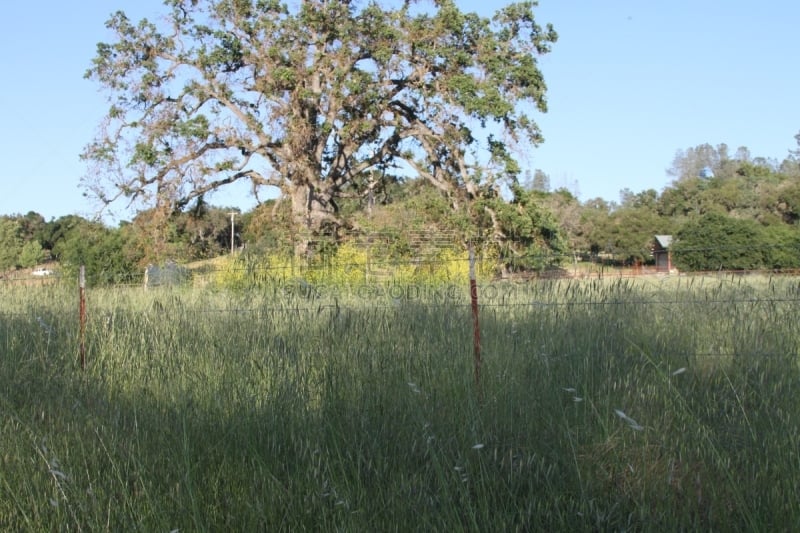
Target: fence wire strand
518,299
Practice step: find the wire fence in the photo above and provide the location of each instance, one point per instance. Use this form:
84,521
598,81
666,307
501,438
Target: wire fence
439,278
371,273
263,292
381,254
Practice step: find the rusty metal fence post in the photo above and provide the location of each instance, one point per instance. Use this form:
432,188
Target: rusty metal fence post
476,330
82,316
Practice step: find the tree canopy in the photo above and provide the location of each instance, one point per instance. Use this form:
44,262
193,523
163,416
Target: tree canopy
322,99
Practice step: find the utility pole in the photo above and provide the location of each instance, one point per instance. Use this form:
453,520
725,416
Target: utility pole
232,214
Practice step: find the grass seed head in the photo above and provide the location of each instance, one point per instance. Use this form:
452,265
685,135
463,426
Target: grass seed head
630,421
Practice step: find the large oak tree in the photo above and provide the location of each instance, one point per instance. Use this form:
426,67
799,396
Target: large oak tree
320,98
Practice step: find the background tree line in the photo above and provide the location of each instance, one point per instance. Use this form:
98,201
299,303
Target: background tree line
725,210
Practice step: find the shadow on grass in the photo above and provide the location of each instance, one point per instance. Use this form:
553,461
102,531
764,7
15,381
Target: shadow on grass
369,419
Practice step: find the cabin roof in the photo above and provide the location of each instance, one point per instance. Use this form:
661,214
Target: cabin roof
664,241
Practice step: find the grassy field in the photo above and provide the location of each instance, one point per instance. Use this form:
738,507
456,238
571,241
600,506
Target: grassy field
659,404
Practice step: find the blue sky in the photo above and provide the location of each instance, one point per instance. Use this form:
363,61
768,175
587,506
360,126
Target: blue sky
630,83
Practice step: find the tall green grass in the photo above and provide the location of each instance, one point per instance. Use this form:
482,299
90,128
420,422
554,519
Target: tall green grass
604,405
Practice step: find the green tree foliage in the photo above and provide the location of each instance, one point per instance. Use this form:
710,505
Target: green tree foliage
624,230
11,242
741,185
204,231
527,235
631,231
627,230
104,252
21,240
268,228
718,242
32,227
566,209
31,254
644,199
682,199
57,229
781,245
312,96
787,202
